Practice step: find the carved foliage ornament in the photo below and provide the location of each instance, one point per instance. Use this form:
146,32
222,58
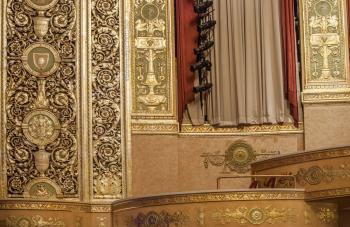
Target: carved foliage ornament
255,215
106,100
325,214
40,97
237,157
152,71
324,33
316,175
35,221
154,219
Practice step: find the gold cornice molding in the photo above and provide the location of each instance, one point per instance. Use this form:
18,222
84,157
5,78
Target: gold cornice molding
41,205
287,128
54,206
301,158
203,197
155,127
326,96
163,127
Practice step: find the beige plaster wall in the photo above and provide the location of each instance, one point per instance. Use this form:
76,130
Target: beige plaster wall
326,125
165,164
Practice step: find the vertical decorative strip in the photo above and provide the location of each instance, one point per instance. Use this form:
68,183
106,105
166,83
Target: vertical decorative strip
106,100
153,77
2,96
325,51
42,99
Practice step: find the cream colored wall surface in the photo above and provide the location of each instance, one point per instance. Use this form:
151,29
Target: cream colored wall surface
326,125
164,164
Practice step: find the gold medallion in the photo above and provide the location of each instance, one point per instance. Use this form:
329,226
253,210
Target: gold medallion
41,60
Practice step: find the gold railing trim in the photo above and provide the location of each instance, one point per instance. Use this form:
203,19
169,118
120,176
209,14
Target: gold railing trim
301,157
213,196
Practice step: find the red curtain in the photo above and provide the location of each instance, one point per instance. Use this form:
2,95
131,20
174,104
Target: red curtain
289,44
187,40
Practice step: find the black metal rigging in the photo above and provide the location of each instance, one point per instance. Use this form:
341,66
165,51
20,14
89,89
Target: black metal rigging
202,67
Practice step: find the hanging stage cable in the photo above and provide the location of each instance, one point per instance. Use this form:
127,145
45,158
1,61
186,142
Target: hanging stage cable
202,67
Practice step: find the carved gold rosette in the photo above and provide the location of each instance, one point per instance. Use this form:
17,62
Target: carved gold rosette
325,51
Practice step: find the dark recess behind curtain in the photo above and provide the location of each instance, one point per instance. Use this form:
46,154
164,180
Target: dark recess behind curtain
187,40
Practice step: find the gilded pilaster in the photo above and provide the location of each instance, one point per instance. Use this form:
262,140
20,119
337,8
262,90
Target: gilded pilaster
61,100
107,152
41,98
325,51
2,96
153,73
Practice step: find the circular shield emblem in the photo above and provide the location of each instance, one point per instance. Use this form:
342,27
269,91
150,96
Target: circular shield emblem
41,60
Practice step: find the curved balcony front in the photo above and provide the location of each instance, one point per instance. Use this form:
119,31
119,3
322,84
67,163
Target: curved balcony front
260,207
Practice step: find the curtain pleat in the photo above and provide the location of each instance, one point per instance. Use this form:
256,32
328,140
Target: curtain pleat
248,63
187,40
290,58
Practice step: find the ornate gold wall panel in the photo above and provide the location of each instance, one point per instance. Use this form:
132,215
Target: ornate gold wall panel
61,98
41,96
325,51
153,74
106,100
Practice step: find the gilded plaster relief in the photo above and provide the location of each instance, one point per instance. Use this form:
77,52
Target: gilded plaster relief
316,175
35,221
325,51
236,158
41,95
153,67
106,100
255,215
42,99
162,218
151,86
324,214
